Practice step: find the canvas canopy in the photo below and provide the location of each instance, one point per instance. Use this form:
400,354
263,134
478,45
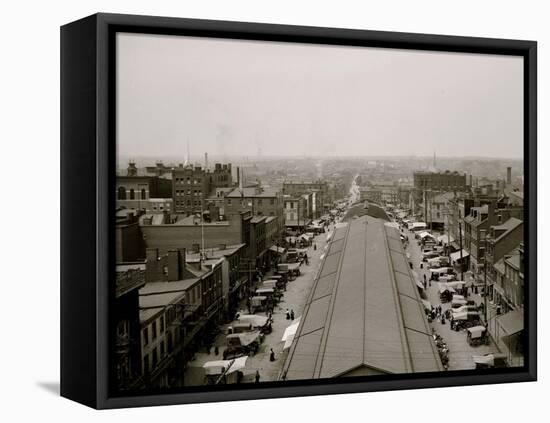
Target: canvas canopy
290,332
217,367
511,322
425,234
456,255
253,319
445,239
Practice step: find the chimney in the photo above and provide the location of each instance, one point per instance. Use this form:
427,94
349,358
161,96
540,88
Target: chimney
132,169
176,264
152,273
509,175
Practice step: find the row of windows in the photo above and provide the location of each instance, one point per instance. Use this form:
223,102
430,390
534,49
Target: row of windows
196,192
157,354
188,203
188,181
121,194
145,331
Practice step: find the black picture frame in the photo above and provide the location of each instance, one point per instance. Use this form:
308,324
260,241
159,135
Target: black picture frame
87,227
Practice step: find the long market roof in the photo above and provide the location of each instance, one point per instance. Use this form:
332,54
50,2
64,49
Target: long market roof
364,315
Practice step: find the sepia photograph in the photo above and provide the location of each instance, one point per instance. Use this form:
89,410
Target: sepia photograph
292,211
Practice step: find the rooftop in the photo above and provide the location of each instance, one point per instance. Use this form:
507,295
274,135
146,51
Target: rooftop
364,315
248,192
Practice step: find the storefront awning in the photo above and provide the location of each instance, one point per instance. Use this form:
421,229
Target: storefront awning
511,322
456,255
276,249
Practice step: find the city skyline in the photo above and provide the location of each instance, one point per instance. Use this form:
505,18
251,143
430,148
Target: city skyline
292,100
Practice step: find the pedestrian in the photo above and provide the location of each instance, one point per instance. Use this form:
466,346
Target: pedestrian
443,319
421,265
287,314
216,350
306,259
291,314
257,376
271,355
315,247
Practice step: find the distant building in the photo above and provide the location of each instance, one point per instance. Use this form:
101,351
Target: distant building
192,185
298,211
439,181
135,192
258,200
322,198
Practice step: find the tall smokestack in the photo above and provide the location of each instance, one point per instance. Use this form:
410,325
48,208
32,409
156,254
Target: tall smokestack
509,175
471,181
205,161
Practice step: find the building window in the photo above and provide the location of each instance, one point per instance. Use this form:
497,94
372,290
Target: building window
161,324
155,357
162,349
143,194
154,329
121,193
146,364
145,336
169,341
132,194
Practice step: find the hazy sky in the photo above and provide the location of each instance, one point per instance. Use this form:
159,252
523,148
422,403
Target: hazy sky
229,97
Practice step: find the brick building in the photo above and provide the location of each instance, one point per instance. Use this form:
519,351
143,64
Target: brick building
134,191
192,185
320,188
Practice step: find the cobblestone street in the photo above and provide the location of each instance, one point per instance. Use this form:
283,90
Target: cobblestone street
294,298
460,352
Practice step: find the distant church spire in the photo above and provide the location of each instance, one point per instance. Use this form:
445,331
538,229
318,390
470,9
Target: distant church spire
187,157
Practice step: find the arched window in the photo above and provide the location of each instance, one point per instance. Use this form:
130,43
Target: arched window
132,194
143,194
122,193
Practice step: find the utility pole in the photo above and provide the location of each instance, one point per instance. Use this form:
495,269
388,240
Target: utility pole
484,233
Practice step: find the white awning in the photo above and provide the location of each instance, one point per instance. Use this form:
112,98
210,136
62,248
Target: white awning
445,239
289,333
219,366
511,322
456,255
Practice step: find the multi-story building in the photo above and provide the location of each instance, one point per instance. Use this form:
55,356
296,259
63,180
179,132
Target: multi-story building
320,188
297,211
129,245
370,194
195,234
477,223
135,192
506,327
179,305
439,181
192,185
235,281
127,333
438,206
260,201
502,238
